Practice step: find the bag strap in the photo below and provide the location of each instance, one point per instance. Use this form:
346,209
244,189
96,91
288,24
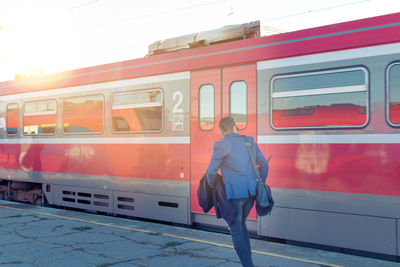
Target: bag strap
248,146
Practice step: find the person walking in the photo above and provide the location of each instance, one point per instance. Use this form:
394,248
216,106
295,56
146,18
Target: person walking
231,156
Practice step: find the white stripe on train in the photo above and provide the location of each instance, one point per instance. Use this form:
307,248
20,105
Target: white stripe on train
99,140
262,139
330,139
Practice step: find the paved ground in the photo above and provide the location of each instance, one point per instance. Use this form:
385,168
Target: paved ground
38,236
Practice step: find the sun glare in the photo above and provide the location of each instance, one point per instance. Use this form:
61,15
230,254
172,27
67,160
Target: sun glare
39,41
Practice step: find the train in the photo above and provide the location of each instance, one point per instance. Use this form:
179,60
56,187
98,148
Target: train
135,137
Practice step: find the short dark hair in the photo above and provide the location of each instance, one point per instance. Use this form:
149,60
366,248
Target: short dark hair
227,124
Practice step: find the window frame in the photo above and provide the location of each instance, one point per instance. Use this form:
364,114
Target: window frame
247,106
12,134
387,96
133,92
198,95
41,134
83,133
318,91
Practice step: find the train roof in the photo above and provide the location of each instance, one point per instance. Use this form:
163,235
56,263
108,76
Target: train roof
347,35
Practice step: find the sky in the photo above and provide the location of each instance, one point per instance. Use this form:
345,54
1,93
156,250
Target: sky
47,36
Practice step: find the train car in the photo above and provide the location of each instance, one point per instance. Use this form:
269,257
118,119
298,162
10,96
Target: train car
134,137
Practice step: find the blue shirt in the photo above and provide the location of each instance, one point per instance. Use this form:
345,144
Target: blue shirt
232,157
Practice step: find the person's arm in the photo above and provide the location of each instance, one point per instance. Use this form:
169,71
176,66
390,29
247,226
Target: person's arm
216,159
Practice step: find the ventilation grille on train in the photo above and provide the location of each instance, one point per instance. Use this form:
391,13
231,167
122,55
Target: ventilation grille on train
125,203
157,207
151,206
83,198
86,198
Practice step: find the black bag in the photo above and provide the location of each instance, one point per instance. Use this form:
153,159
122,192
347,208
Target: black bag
205,194
264,200
209,197
223,207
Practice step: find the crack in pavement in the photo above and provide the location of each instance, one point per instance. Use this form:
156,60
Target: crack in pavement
70,246
56,227
161,245
11,262
168,249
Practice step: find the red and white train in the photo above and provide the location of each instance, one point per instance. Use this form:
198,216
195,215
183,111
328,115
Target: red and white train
135,137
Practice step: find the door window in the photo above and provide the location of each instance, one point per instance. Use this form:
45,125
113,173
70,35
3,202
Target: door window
206,107
238,103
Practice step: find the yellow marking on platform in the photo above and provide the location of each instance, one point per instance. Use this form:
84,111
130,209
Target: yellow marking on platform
170,235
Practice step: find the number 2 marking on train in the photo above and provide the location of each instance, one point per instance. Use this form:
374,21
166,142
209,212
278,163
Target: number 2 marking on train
177,95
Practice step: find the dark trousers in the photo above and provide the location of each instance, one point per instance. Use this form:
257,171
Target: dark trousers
239,233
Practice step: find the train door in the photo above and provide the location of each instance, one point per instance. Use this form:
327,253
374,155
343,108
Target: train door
217,93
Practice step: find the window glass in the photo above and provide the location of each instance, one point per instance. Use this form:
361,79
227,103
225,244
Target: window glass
238,103
138,111
394,94
40,117
83,114
309,102
320,80
12,119
206,107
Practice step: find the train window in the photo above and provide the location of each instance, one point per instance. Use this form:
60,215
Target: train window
206,107
140,111
393,94
238,103
84,114
12,119
322,99
40,117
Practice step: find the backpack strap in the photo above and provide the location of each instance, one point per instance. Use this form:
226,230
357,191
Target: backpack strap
248,146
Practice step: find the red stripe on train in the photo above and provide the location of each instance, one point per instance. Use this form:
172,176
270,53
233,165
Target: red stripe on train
158,161
349,168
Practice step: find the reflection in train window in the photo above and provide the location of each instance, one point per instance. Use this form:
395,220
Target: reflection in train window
40,117
206,107
12,119
238,103
393,108
138,111
83,114
323,99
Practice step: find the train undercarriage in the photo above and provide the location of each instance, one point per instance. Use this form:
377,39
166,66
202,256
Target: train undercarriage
21,192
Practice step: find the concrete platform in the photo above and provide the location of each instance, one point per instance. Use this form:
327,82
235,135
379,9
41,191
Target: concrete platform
39,236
